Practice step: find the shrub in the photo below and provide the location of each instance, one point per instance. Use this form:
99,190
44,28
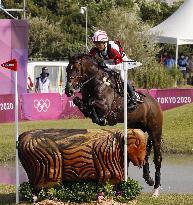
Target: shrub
26,191
79,192
128,190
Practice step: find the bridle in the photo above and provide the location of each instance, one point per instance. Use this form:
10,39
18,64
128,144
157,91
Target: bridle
80,85
84,75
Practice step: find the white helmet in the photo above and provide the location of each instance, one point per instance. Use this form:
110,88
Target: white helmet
100,36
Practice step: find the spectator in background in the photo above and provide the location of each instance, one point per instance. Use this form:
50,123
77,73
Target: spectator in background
163,57
169,62
183,63
42,82
190,70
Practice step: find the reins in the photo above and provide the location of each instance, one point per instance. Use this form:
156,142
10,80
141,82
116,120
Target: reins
84,83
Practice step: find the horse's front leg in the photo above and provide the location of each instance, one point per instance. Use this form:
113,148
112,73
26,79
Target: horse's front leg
88,110
82,106
99,108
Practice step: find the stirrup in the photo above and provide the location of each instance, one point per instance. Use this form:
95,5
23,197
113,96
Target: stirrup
131,107
133,100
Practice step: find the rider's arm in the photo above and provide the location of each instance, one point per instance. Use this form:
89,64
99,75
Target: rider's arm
117,67
116,63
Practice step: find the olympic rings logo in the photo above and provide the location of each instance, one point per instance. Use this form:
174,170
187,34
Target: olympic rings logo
42,105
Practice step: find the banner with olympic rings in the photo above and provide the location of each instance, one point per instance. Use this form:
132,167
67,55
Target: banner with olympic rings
41,106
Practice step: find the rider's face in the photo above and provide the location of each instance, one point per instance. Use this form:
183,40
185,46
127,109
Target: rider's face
100,45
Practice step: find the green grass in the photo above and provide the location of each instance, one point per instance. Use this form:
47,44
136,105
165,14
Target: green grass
7,194
177,131
165,199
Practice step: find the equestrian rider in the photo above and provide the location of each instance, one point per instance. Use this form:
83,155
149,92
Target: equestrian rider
112,57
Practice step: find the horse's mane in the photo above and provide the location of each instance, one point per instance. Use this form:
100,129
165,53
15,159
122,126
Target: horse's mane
90,59
84,56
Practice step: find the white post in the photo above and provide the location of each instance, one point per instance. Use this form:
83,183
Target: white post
86,29
83,10
125,121
7,11
24,9
176,54
176,61
16,134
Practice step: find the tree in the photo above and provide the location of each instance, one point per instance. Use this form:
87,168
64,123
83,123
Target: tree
154,12
46,39
57,29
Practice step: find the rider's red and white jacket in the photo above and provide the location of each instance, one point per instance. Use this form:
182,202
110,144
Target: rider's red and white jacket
113,56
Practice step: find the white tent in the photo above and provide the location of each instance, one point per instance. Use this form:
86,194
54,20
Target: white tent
178,28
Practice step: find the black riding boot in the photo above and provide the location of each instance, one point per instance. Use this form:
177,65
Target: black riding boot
130,90
132,104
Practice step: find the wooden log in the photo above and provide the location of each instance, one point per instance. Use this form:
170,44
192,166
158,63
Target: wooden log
52,156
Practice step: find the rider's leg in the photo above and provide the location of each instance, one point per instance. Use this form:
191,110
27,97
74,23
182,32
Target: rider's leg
130,89
131,92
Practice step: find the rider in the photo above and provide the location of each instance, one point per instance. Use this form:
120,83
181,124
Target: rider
112,56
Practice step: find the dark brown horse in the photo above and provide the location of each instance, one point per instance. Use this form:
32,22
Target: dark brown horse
105,106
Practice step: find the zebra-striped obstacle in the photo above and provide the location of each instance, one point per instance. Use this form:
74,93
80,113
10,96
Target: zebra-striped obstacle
52,156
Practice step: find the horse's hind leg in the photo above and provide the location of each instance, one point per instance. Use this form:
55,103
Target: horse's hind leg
157,158
146,172
156,142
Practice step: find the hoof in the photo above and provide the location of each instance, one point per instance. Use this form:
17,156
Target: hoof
100,121
156,192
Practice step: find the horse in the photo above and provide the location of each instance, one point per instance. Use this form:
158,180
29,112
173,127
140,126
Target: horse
105,106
